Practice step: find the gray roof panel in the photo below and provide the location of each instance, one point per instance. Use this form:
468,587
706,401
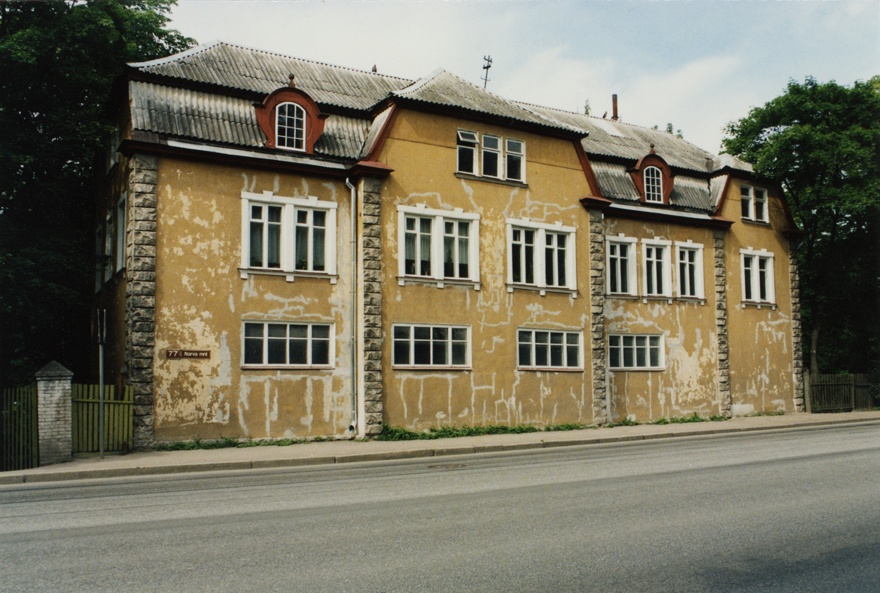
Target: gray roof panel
237,67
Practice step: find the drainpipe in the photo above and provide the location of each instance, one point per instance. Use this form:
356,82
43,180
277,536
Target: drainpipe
353,427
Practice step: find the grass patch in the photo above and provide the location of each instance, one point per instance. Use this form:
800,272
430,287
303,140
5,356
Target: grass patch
624,422
396,433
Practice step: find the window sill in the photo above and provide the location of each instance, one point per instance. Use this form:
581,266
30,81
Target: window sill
637,370
657,298
751,221
757,305
690,299
510,182
286,367
543,290
430,368
622,296
288,275
551,369
439,283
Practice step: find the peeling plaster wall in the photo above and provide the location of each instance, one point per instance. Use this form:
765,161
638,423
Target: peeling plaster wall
689,381
761,349
202,301
422,151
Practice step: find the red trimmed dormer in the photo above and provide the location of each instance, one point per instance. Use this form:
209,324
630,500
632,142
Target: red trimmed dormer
653,178
290,119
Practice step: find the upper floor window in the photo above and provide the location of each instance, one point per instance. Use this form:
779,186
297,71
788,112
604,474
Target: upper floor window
689,267
490,156
621,265
653,185
657,276
653,178
431,346
757,276
540,255
288,344
467,152
439,245
753,202
288,235
290,119
290,126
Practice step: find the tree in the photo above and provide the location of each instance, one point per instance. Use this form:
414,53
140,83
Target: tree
58,62
820,142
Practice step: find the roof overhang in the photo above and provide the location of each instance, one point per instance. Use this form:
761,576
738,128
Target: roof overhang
616,210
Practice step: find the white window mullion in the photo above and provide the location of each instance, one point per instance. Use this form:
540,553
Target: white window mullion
288,232
438,235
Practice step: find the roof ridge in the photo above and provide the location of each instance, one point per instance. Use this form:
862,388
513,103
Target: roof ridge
209,45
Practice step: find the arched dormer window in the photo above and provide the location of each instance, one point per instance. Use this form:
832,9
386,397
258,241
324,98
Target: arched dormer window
290,119
653,179
290,126
653,185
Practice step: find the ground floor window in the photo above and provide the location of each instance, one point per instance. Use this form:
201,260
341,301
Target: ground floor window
548,349
431,346
635,352
288,344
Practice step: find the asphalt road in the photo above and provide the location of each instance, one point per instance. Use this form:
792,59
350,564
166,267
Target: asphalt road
795,510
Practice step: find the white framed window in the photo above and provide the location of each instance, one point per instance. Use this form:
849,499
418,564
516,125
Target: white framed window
440,245
121,226
653,185
656,268
515,158
290,126
620,269
638,352
467,146
272,343
758,284
548,349
431,346
689,270
287,235
540,255
753,201
491,156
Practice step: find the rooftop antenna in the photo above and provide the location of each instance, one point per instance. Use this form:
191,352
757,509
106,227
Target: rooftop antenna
486,67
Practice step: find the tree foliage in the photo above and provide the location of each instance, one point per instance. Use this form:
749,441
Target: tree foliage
821,143
58,62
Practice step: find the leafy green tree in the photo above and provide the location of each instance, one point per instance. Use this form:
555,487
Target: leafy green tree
820,142
58,62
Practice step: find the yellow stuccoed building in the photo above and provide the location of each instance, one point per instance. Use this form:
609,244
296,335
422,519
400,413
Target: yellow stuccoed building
288,249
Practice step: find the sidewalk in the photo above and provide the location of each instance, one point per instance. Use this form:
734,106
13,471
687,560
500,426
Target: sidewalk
327,453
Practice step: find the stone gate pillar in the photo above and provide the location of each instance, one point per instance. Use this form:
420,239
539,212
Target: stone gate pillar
54,414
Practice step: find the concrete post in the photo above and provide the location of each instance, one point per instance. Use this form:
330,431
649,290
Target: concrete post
54,414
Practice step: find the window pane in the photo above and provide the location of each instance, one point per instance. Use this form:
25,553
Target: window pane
422,352
302,247
438,352
253,351
459,334
466,159
277,351
459,353
422,333
514,167
320,350
298,351
256,246
401,348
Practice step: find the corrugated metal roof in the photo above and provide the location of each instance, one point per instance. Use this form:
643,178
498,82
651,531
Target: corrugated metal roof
184,113
614,181
618,139
444,88
248,69
716,188
691,193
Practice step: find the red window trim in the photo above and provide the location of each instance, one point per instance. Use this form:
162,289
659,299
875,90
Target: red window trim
638,176
267,110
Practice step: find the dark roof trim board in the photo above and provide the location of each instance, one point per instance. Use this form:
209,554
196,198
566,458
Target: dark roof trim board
613,209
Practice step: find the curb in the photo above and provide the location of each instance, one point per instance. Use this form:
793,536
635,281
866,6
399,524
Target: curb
171,469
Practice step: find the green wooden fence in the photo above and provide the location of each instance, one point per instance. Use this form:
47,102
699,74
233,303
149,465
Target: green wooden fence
843,393
118,419
19,439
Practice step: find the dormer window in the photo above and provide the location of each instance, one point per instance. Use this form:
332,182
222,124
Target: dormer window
653,185
653,179
290,119
290,126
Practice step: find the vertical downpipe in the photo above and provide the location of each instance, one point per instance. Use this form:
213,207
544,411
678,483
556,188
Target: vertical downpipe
353,427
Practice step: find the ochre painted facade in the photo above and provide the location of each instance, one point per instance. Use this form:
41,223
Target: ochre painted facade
421,149
432,292
202,302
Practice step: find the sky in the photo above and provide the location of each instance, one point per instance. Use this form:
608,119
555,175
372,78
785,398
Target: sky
696,64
